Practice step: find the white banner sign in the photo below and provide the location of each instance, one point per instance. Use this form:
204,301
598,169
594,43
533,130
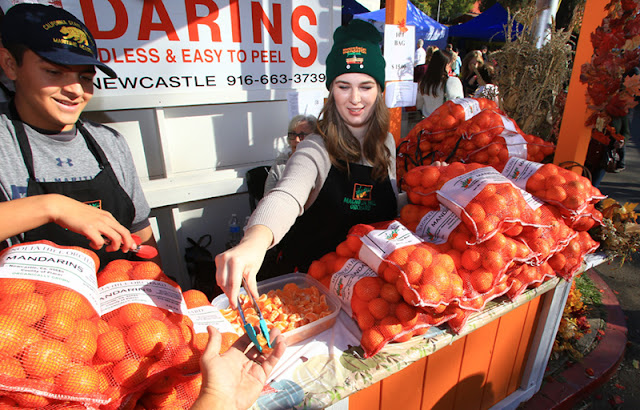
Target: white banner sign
224,49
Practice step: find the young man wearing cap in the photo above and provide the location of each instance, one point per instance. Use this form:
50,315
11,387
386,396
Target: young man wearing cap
62,179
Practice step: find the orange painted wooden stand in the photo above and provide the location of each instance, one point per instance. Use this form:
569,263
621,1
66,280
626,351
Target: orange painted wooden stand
499,365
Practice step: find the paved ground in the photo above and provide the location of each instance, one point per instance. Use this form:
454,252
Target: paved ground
625,283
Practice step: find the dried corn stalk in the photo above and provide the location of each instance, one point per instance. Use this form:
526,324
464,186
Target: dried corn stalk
529,79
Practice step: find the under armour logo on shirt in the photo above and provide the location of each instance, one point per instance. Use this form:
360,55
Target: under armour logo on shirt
69,162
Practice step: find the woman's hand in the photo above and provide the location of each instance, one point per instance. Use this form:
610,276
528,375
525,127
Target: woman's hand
234,380
243,260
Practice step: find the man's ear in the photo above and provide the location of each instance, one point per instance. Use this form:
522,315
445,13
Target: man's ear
8,63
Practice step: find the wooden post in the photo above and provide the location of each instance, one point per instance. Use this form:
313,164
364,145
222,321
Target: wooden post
574,137
396,12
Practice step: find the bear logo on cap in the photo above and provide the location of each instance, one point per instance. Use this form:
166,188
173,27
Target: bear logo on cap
74,34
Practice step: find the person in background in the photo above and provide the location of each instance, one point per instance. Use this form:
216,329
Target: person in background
340,176
419,70
485,52
469,74
299,127
62,179
421,54
438,84
457,61
597,157
234,379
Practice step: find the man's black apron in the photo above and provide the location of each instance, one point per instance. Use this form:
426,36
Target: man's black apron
346,199
103,192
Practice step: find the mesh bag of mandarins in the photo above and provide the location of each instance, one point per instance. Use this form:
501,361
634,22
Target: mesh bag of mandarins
549,239
180,387
376,305
570,192
526,275
143,334
423,276
49,319
586,220
481,266
502,147
436,137
171,395
567,262
422,183
488,203
491,138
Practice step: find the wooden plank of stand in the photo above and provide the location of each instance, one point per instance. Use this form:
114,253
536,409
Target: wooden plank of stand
475,364
503,360
529,328
366,399
441,376
402,387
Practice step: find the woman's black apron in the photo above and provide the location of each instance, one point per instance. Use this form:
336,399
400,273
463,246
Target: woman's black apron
346,199
103,192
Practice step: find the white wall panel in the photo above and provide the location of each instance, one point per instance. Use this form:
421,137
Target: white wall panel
223,136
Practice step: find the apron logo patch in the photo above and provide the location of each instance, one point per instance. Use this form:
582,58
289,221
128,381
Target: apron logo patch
362,192
96,204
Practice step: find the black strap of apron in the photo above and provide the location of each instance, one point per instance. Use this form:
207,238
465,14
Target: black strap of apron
25,147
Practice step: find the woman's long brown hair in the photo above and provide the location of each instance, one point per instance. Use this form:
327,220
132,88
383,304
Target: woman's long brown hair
343,147
436,75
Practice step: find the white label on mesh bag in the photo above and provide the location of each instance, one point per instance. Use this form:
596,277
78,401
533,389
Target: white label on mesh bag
436,226
65,267
520,170
147,292
533,202
344,280
470,106
508,124
380,243
204,316
462,189
516,144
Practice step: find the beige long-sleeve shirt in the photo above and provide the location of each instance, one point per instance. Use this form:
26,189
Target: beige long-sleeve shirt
303,178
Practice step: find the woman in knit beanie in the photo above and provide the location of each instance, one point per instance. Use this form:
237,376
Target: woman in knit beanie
341,175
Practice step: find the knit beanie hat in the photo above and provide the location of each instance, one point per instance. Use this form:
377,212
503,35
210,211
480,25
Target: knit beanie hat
356,50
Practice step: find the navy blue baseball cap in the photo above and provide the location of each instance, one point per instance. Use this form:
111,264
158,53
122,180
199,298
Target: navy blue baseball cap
52,33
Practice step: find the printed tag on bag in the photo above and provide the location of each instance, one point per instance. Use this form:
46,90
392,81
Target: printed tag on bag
65,267
380,243
147,292
343,281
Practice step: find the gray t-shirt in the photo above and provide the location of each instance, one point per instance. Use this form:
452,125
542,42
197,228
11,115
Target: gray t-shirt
66,157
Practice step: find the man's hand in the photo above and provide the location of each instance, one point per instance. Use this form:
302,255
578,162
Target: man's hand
24,214
99,226
235,379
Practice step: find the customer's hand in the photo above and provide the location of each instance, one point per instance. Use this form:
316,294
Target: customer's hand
234,379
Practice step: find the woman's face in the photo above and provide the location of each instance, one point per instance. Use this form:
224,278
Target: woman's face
300,131
355,95
473,63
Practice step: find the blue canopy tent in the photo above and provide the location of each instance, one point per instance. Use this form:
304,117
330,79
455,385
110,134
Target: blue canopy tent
351,7
432,32
488,26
